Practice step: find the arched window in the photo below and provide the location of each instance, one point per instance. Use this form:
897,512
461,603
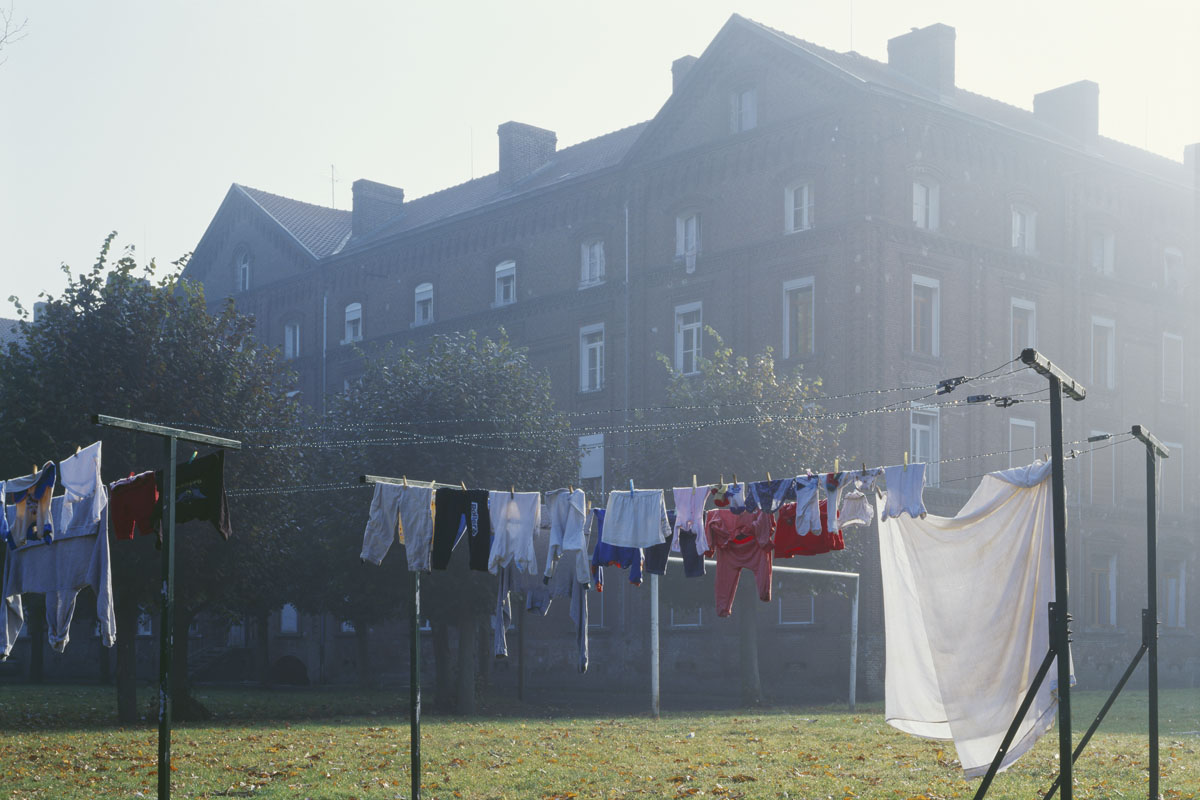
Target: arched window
354,331
423,304
506,283
289,619
243,271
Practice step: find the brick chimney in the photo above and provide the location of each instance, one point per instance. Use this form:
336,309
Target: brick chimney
926,55
374,204
523,149
680,67
1073,109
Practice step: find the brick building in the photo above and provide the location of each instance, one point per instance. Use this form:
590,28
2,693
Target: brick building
871,221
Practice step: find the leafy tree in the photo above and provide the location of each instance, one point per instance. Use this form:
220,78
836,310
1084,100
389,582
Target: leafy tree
126,341
468,409
737,418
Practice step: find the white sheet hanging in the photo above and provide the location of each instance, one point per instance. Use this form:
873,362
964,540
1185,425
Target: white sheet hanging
965,617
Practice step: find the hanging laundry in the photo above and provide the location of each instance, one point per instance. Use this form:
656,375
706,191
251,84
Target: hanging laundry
79,557
400,513
31,495
132,504
789,542
79,475
200,492
731,496
965,617
856,509
741,541
808,512
654,558
769,495
636,518
567,510
515,516
905,491
461,512
689,511
607,555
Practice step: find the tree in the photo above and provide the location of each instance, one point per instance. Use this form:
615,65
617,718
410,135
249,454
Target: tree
131,343
12,29
468,409
737,417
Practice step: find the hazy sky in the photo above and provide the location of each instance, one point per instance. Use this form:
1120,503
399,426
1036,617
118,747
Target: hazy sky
136,116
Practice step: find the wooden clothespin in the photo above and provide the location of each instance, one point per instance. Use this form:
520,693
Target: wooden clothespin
768,474
463,484
836,463
77,449
735,479
906,461
570,489
34,472
512,491
693,480
405,479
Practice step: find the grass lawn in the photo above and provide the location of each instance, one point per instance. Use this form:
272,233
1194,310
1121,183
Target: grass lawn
62,742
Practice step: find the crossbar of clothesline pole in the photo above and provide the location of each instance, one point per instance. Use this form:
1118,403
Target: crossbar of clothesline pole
1151,441
373,479
1044,366
776,568
163,430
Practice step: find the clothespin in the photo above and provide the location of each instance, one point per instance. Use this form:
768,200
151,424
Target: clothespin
836,463
405,479
735,479
693,480
193,458
768,474
631,485
570,489
463,484
512,491
34,472
906,461
77,449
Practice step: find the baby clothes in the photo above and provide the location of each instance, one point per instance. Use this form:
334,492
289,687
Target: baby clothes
515,516
79,476
789,542
689,516
732,497
769,495
856,509
742,541
636,518
607,555
460,511
200,492
808,517
568,520
905,491
31,494
131,505
400,513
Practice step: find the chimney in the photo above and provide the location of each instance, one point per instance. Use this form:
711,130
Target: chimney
926,55
1073,109
523,149
374,204
680,67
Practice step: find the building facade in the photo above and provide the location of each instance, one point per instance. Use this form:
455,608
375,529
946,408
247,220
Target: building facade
872,222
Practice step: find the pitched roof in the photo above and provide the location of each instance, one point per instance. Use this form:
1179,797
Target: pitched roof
321,230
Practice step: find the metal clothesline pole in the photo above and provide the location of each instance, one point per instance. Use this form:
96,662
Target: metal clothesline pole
655,645
166,631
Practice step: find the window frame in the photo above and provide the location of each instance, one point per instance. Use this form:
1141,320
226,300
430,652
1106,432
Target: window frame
1104,445
587,250
1173,268
812,610
504,271
291,340
1177,369
1174,463
586,349
807,207
794,286
929,218
423,293
1096,619
932,463
1173,598
1030,324
699,623
353,314
1028,424
294,617
243,268
935,286
1023,237
591,461
682,250
698,327
1110,378
1106,250
743,109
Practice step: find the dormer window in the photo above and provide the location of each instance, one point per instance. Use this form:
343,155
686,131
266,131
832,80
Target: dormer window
743,110
506,283
353,323
926,204
243,271
423,304
798,207
591,263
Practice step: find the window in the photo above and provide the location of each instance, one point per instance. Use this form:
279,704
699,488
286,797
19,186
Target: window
243,272
346,626
926,316
1104,352
687,238
1023,318
506,283
353,323
1170,480
1102,454
289,619
1022,441
591,465
796,608
926,205
291,340
1172,269
798,313
743,110
423,304
1172,368
923,441
1102,591
1024,229
1172,594
687,338
687,617
591,358
237,635
798,207
1101,247
591,263
145,624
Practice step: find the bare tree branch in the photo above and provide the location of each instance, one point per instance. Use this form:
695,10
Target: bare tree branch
11,29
